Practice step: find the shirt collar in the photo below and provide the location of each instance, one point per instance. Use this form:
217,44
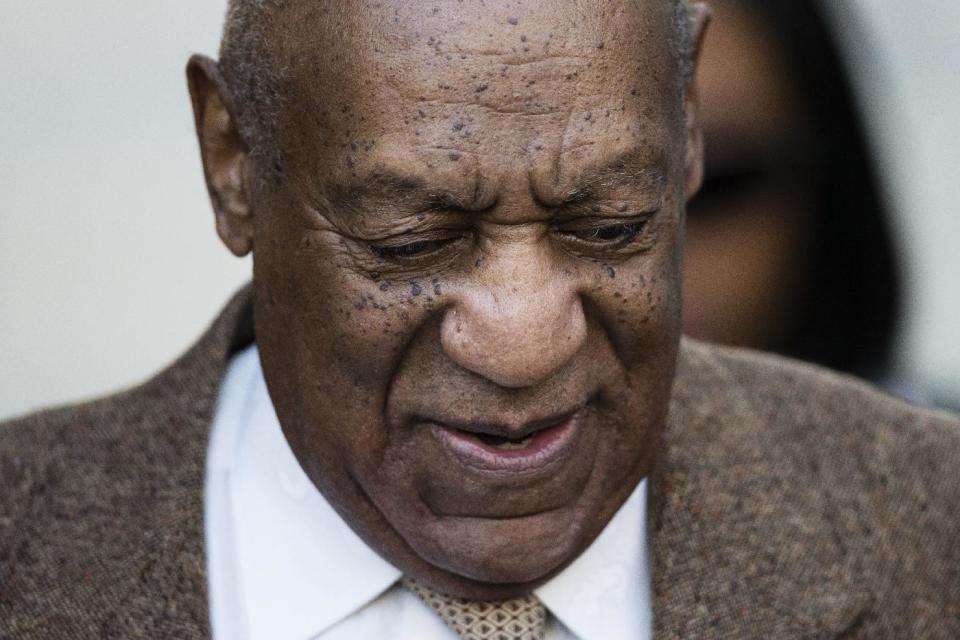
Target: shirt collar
304,570
605,593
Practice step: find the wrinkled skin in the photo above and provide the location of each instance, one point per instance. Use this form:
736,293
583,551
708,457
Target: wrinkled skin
478,226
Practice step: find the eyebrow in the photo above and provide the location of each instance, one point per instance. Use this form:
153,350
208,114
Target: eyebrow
638,166
399,186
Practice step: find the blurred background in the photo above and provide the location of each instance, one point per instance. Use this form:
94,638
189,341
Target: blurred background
827,229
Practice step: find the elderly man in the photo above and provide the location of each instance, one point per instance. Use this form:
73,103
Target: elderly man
455,402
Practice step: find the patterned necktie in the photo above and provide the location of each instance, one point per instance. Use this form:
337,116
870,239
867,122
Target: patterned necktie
516,619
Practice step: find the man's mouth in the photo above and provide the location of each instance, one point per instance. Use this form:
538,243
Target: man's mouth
492,448
502,443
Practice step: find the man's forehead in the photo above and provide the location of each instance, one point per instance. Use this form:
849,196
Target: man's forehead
474,25
461,50
465,88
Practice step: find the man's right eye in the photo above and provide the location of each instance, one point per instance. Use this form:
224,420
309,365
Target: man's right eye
409,250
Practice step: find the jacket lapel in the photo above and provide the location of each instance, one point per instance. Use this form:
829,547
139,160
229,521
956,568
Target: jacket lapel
198,378
740,548
162,588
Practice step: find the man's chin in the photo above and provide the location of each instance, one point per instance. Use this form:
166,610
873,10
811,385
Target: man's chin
506,555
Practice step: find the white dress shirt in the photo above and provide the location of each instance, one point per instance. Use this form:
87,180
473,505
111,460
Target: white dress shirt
283,565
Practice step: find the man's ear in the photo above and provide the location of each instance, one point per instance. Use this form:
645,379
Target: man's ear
700,20
225,156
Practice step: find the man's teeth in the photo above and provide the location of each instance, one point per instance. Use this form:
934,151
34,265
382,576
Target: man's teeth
510,445
504,444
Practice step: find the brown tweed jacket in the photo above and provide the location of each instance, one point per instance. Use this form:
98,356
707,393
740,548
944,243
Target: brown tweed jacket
790,503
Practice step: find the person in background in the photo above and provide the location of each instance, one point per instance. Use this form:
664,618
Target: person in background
789,247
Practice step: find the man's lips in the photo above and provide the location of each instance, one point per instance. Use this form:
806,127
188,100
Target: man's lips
490,448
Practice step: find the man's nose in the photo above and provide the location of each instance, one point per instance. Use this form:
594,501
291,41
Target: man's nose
518,322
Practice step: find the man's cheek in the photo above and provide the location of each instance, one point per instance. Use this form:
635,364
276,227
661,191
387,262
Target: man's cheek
638,309
358,327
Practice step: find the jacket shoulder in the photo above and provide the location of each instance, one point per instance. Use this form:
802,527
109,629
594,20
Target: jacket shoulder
83,488
58,450
101,504
39,450
884,469
896,448
824,400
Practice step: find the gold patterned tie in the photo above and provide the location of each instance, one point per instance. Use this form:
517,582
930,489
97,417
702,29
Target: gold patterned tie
515,619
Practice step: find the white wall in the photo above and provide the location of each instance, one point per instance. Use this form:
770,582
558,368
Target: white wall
109,266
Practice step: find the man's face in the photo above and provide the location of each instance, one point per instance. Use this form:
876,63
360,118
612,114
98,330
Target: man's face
467,276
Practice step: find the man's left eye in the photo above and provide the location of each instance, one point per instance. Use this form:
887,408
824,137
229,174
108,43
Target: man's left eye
610,233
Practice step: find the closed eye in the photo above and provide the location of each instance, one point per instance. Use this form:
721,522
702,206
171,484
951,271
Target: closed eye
609,234
411,250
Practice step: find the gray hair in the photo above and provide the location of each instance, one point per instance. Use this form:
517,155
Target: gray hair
253,78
